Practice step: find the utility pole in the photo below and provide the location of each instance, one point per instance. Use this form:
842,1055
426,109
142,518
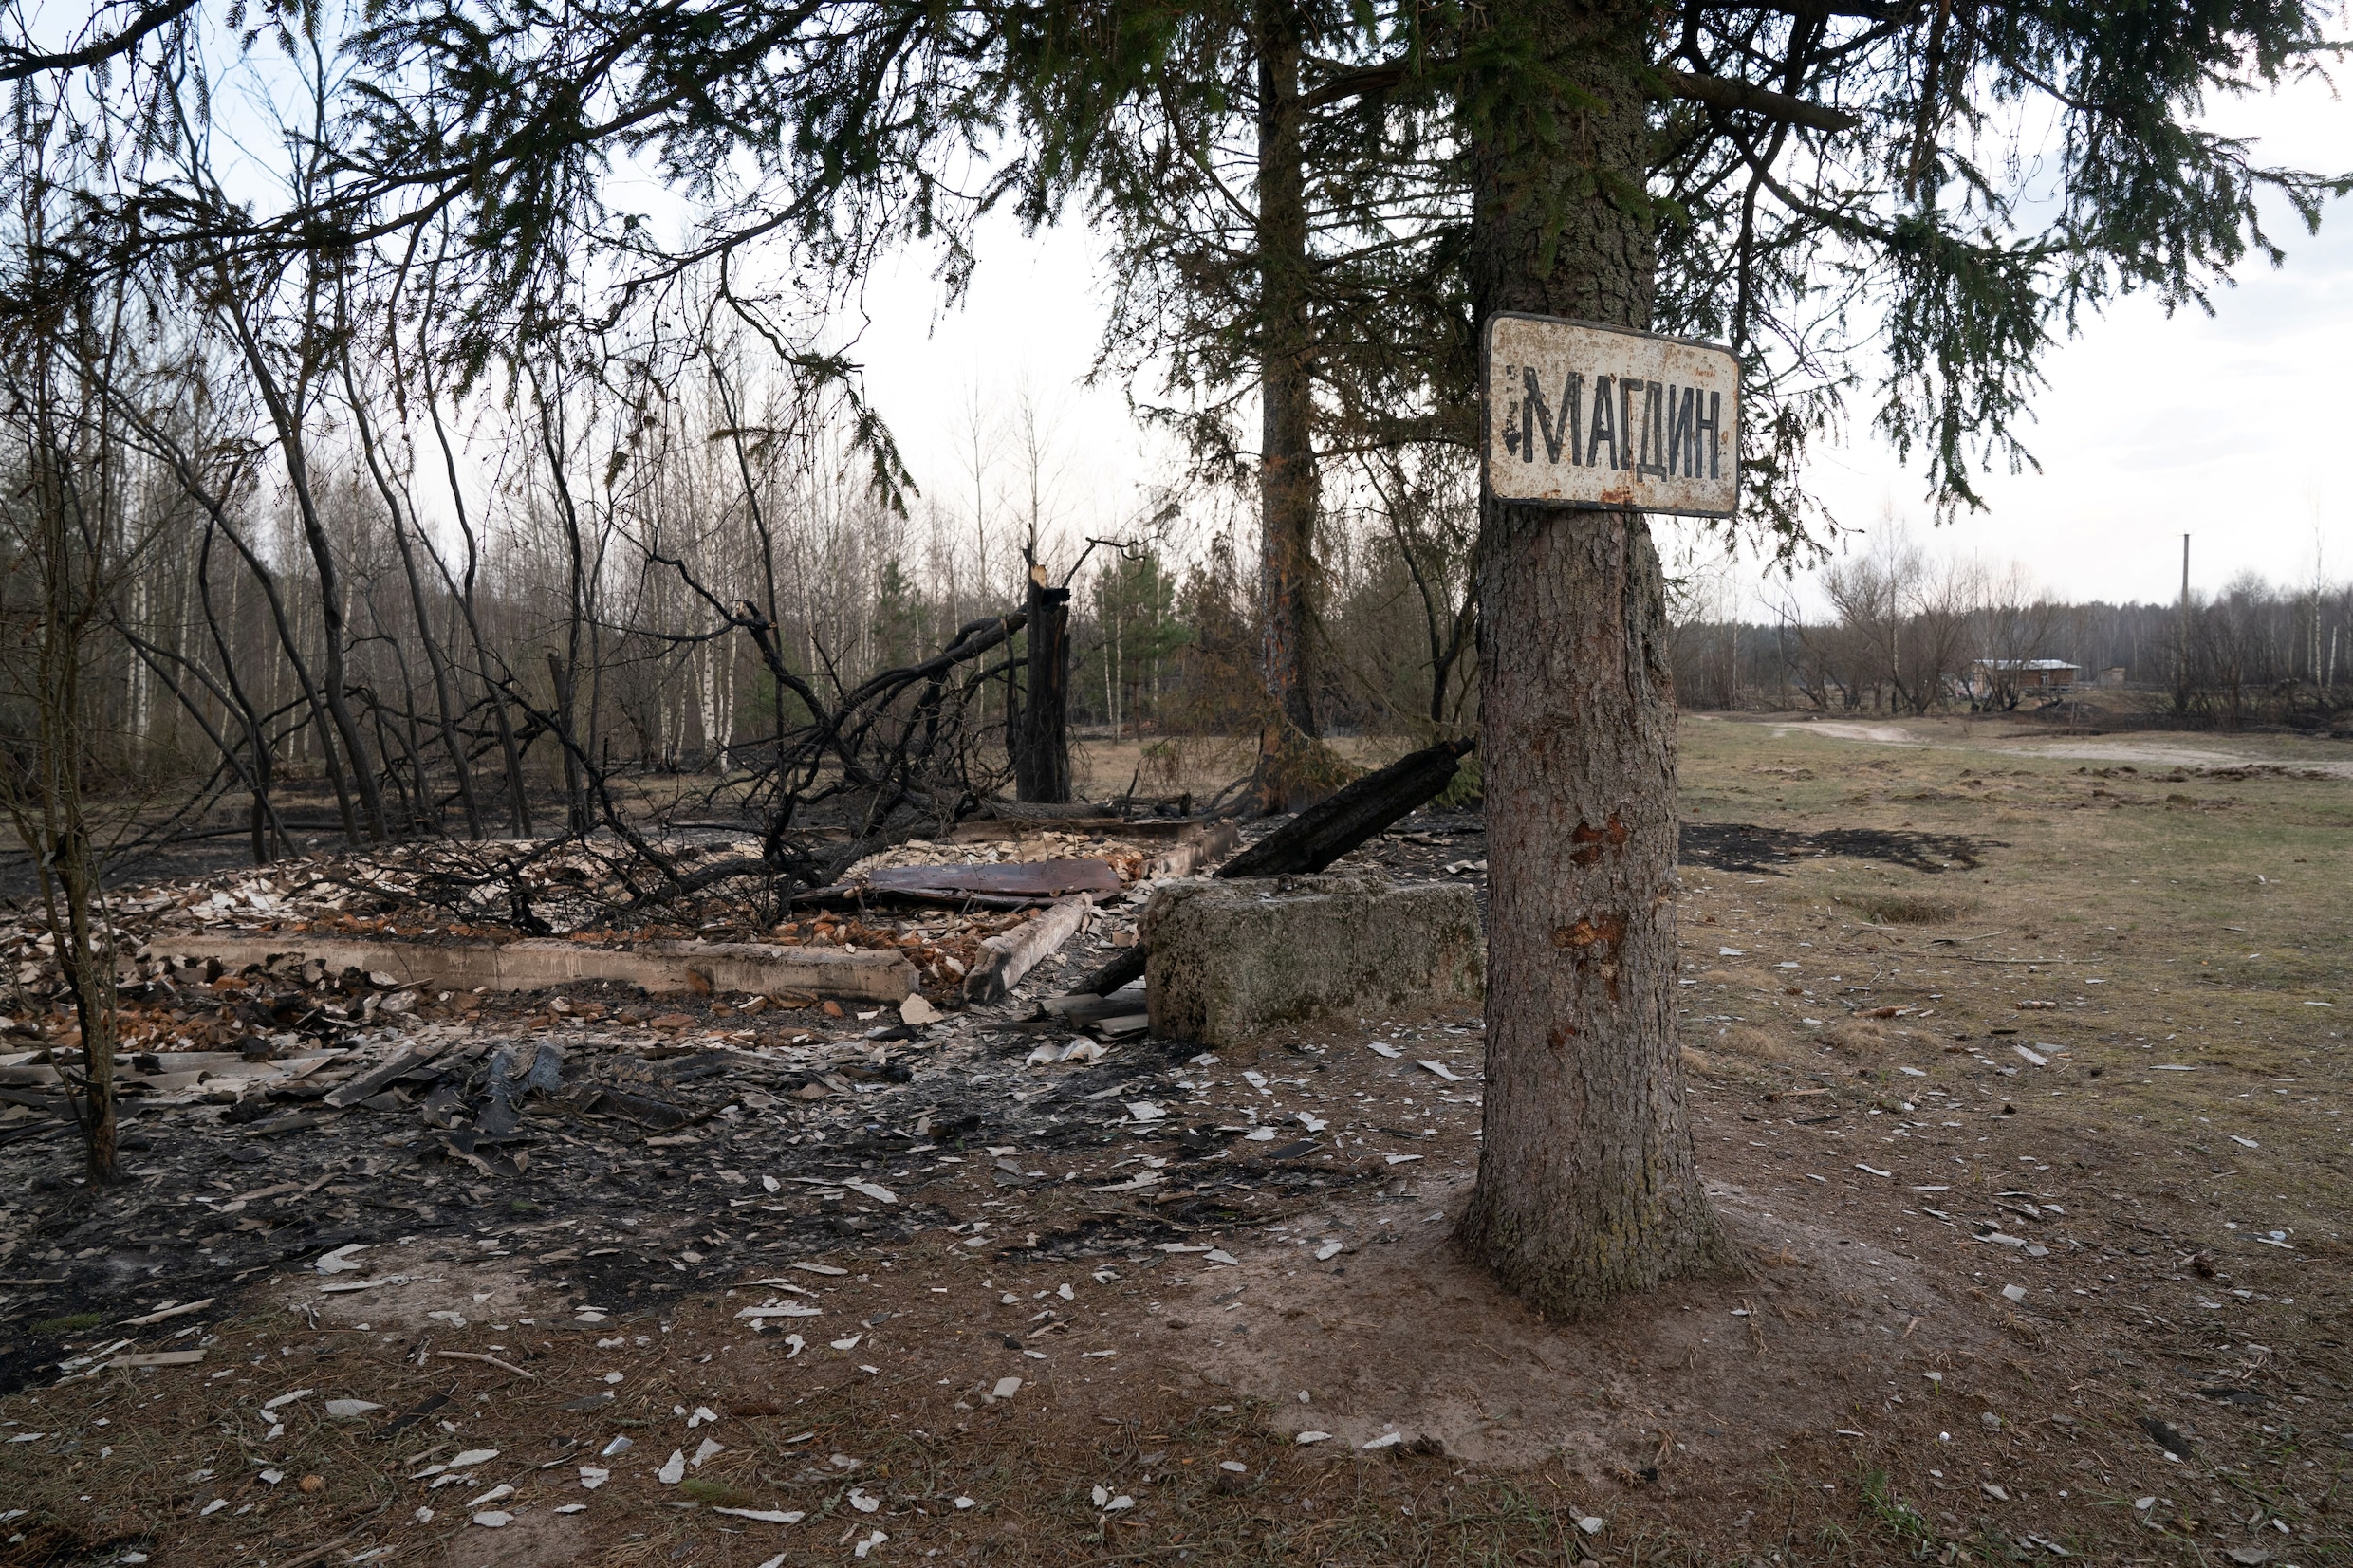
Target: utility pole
2181,639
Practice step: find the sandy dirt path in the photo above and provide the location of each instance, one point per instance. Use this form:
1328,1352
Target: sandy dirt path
2183,751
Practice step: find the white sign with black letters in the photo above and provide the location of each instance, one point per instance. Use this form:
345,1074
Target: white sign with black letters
1597,417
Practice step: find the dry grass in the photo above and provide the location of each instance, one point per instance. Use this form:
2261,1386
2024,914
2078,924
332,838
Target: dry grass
1905,908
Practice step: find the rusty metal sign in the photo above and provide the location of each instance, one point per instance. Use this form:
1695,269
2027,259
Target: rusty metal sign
1598,416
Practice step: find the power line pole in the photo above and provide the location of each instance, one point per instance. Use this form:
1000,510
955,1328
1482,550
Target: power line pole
2181,637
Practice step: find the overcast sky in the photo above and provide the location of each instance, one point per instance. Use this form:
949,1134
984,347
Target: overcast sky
2232,427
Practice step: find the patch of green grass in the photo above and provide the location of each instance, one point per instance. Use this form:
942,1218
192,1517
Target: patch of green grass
718,1493
73,1322
1880,1503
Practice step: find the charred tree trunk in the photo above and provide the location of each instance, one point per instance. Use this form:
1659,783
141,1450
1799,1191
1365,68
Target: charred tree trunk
1320,834
332,692
1042,733
1287,470
1351,815
1586,1188
85,952
577,818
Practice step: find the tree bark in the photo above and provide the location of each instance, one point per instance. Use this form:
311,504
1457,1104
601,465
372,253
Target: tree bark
1588,1188
1287,486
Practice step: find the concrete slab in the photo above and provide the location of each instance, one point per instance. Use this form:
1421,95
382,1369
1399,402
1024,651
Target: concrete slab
1234,959
763,968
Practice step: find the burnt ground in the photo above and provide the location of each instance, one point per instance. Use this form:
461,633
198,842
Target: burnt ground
1744,846
1996,1307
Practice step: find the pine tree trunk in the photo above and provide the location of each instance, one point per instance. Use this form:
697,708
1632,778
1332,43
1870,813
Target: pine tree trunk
1286,471
1586,1186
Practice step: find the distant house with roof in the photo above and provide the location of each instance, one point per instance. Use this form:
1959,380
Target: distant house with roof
1990,676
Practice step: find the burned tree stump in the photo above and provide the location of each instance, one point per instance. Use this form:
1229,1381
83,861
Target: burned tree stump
1041,728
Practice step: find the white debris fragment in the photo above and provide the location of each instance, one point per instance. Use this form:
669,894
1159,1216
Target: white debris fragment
673,1469
1079,1050
783,1309
1442,1070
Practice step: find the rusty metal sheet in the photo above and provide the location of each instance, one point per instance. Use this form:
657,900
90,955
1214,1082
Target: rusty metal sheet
1597,417
1016,878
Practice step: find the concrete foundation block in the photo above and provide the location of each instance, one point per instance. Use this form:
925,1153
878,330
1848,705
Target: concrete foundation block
1231,960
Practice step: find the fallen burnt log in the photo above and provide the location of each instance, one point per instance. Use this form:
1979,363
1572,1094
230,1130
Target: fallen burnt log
1350,816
